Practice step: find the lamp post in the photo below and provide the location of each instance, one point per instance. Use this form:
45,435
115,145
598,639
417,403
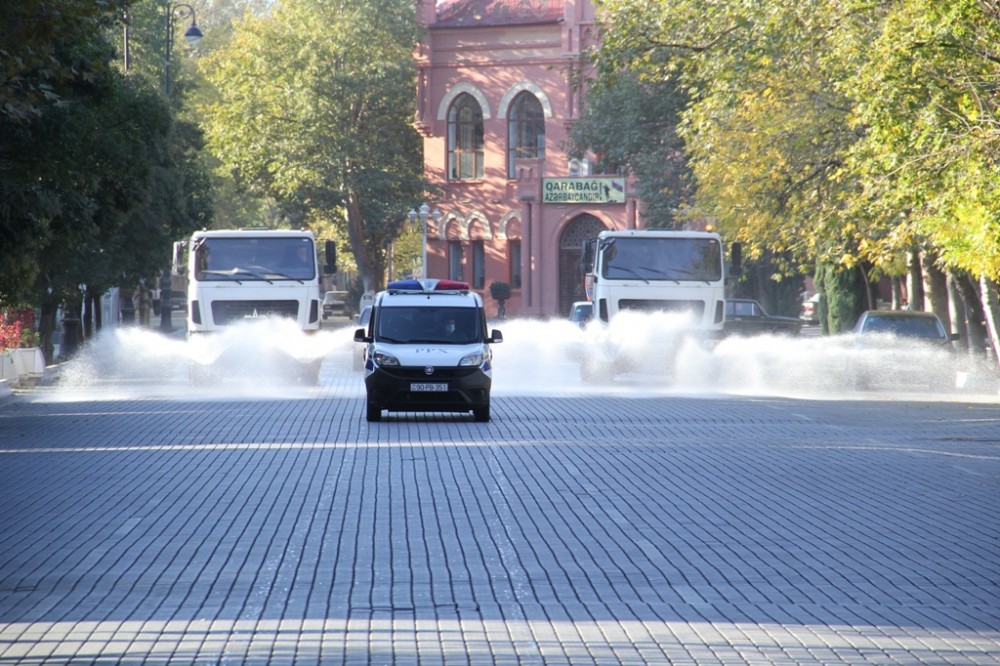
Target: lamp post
425,212
193,35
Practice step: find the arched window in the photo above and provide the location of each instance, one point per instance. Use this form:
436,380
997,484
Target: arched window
465,139
525,130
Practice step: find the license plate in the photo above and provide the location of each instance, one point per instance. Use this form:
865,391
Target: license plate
429,387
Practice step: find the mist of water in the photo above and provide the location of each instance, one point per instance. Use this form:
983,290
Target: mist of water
637,353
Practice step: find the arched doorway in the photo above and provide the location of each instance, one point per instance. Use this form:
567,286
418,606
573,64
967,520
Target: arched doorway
581,228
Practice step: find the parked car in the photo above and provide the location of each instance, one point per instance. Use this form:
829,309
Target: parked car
581,312
329,298
923,326
810,311
902,349
745,316
334,303
178,301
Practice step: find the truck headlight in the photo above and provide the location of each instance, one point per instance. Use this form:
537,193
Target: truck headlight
381,358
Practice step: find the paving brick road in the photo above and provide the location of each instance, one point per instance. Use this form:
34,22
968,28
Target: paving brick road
590,527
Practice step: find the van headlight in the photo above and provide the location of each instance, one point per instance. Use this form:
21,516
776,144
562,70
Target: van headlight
475,359
381,358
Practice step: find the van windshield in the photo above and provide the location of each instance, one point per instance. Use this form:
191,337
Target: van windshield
458,326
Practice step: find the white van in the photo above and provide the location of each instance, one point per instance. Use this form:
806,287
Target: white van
428,350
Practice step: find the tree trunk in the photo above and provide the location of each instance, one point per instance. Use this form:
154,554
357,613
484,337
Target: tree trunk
897,292
975,319
46,328
935,285
914,281
371,266
991,309
88,317
958,321
95,298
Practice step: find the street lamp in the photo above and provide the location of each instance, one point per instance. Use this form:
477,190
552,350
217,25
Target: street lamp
425,211
193,34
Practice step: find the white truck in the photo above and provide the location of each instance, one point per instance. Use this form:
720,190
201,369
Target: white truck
682,273
245,274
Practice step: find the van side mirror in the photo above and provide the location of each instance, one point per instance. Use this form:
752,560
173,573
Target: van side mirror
359,336
495,336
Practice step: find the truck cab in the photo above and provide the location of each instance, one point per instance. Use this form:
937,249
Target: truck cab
428,350
245,274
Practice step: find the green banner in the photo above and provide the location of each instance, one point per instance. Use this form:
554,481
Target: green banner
583,190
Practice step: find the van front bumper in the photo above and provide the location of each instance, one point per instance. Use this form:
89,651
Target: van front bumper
450,389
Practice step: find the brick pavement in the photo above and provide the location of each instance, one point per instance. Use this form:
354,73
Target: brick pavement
632,527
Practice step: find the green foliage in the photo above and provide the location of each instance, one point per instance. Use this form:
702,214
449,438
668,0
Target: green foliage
928,107
94,187
320,120
632,127
38,54
849,132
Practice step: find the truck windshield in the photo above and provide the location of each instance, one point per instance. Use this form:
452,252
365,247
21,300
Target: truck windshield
245,259
459,326
673,259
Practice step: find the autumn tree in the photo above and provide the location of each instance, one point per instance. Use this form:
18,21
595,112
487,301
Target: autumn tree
315,107
854,134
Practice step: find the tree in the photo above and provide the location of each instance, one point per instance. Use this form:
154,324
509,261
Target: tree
97,181
849,133
632,127
321,120
34,38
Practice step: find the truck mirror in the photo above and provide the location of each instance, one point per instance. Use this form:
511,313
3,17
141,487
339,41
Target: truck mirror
737,253
177,263
330,249
587,256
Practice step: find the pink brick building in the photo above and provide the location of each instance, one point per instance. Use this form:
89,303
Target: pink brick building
495,100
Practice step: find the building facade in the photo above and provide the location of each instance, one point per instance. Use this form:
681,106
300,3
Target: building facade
497,92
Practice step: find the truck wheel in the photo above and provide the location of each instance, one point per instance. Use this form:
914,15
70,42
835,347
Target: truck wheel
482,414
372,412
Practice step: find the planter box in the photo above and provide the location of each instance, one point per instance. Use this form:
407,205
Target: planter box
8,371
21,365
30,362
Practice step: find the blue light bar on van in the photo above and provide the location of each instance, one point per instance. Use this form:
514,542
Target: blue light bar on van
427,285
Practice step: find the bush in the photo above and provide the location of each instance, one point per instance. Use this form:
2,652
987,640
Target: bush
500,291
17,329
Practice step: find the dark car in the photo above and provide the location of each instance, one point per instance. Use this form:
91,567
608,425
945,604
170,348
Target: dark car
902,349
745,316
